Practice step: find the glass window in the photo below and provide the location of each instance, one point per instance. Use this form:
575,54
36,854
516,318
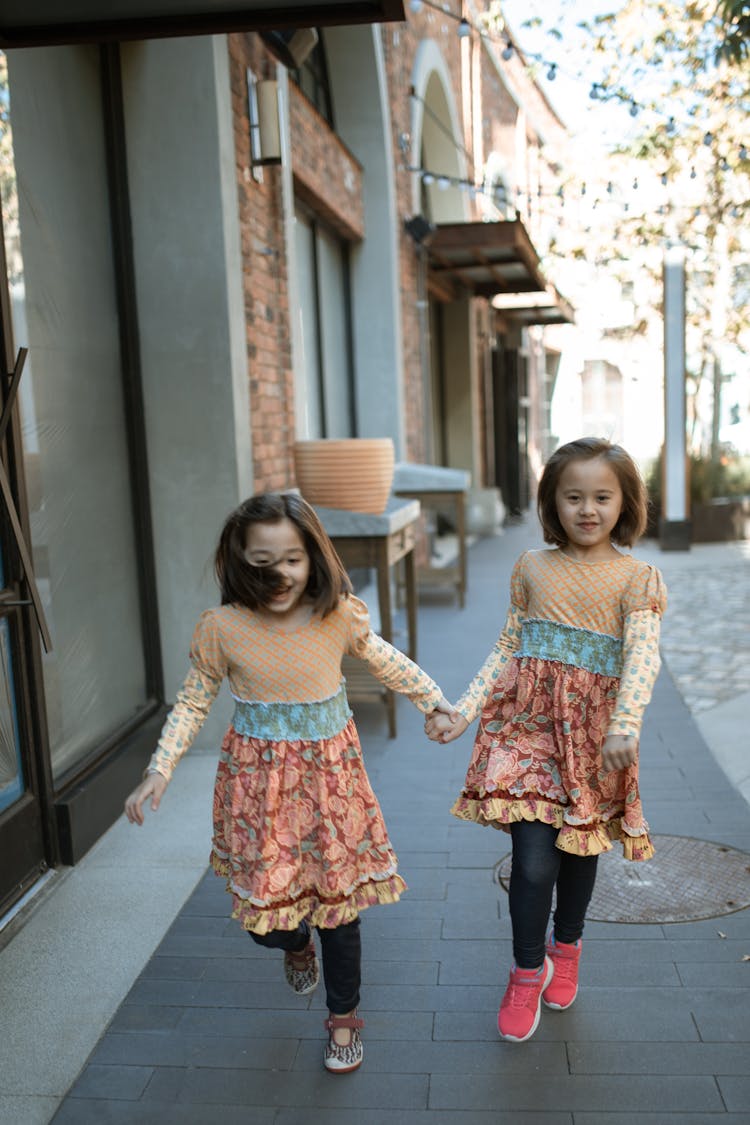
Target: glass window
11,777
312,79
326,398
75,446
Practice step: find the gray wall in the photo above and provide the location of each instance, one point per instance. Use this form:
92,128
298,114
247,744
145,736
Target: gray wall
362,115
182,173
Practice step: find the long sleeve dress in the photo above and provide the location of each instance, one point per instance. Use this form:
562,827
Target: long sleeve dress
576,661
298,832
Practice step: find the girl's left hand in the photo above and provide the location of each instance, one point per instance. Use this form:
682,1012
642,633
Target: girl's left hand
619,751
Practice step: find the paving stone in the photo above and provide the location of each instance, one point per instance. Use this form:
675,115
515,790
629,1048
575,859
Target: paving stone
576,1092
721,1015
175,968
146,1017
602,1118
112,1082
306,1024
623,1024
714,974
240,1087
174,1048
595,971
658,1058
423,1117
736,1094
156,1113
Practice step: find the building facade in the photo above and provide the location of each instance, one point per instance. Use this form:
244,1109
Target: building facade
190,311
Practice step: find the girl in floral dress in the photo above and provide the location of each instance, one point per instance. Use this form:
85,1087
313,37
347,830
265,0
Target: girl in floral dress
561,698
298,833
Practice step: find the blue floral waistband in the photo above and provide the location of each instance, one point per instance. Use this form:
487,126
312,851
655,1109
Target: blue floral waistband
292,721
550,640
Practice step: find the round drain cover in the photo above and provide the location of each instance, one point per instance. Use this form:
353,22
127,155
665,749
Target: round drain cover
686,880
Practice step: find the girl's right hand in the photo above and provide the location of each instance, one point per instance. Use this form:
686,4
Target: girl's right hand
153,786
442,727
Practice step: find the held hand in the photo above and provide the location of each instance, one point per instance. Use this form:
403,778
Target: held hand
153,786
619,751
444,723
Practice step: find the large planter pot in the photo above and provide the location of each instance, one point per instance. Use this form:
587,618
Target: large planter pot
351,473
722,520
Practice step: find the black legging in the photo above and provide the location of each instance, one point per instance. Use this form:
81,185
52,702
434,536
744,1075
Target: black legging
538,867
342,959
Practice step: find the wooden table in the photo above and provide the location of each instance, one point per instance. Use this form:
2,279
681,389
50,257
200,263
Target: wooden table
434,487
378,543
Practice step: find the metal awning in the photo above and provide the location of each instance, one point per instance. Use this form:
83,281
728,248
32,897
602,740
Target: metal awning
545,307
496,260
37,23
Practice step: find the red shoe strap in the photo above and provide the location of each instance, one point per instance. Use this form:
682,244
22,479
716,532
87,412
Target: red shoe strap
350,1022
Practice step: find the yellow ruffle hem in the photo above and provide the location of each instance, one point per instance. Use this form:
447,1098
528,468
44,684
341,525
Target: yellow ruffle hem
576,839
319,912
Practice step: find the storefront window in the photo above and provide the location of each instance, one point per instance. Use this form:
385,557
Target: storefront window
75,445
11,778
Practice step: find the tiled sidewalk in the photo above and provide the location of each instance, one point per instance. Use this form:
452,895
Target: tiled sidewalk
660,1033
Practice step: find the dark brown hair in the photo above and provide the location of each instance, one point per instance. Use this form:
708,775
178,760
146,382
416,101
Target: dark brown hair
632,522
243,584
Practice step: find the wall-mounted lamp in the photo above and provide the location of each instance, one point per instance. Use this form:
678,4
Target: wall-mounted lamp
420,229
265,123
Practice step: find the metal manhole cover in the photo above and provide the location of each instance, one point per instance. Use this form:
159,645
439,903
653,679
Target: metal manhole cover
687,880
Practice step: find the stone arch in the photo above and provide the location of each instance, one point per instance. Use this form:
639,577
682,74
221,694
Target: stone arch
436,139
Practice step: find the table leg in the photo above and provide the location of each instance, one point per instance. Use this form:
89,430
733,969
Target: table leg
410,577
462,560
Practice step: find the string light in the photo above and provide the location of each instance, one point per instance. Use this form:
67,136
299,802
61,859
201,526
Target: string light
532,203
552,72
464,29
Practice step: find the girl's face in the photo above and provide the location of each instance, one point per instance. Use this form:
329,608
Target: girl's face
589,502
280,545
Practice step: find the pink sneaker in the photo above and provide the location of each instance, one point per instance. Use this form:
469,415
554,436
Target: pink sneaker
518,1017
563,989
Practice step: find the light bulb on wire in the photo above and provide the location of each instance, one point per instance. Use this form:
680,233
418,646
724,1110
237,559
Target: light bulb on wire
464,29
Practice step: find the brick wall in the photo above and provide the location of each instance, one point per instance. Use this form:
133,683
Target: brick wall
330,180
269,355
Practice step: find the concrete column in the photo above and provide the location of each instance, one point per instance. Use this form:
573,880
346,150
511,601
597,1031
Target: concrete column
183,191
674,525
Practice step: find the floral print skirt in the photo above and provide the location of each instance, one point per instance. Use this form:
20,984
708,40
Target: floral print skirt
537,757
298,832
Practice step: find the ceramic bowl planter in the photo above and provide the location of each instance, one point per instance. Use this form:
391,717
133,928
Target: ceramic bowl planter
351,473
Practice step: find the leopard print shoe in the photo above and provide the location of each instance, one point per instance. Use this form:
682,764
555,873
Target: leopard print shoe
302,970
343,1059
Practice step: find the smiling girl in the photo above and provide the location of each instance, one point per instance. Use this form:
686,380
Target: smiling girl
298,832
561,698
